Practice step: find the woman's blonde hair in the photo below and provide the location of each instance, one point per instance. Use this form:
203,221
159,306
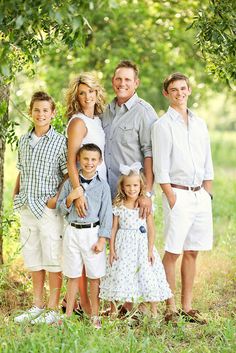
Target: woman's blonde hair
72,101
120,196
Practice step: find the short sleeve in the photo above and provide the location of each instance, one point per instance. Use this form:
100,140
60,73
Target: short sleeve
116,211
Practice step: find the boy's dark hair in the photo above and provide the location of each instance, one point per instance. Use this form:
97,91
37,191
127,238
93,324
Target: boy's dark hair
90,147
127,64
41,96
176,76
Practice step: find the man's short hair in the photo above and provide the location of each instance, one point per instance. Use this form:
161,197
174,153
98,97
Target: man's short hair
129,65
90,147
174,77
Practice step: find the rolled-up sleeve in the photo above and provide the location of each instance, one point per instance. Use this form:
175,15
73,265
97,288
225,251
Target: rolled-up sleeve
63,159
147,118
18,163
61,202
105,213
161,149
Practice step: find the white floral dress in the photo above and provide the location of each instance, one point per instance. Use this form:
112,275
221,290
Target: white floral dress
132,278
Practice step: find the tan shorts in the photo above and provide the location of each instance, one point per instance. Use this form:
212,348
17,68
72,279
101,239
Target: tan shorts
188,225
41,240
77,252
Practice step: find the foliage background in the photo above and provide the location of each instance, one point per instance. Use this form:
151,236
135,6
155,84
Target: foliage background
195,37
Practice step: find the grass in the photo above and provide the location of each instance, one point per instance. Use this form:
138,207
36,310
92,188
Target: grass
214,291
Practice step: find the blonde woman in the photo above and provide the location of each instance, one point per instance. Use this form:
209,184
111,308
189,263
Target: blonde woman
85,102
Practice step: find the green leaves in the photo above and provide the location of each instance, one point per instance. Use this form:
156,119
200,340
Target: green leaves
28,27
216,37
19,21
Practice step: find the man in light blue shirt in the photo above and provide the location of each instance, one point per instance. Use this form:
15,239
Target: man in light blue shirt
127,124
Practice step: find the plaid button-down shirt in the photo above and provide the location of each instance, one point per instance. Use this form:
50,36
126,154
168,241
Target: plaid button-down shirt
42,169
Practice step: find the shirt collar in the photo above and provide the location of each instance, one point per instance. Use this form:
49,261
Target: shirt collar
96,175
129,104
48,134
177,116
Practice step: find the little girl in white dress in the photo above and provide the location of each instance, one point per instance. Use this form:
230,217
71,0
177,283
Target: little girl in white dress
135,272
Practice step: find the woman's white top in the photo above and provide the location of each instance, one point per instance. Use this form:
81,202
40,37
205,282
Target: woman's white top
95,134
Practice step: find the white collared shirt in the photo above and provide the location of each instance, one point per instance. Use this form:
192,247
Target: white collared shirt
181,153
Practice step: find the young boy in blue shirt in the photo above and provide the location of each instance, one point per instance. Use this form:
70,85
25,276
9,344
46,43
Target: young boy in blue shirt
42,165
85,238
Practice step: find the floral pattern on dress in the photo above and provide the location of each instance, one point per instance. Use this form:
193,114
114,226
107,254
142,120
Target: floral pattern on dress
131,277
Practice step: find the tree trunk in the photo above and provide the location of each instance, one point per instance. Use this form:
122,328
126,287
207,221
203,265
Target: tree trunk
4,96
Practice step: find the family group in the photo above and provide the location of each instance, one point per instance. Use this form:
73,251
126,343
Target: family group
78,194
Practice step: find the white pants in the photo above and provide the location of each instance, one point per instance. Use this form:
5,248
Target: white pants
188,225
77,252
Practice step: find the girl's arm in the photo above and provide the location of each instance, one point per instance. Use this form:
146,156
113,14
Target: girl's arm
115,226
76,133
151,237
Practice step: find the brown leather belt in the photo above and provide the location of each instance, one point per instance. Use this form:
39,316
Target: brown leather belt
192,188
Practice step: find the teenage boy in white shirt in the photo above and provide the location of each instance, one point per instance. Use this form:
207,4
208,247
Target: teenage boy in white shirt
182,166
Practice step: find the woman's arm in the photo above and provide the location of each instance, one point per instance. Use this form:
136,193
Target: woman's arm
76,132
151,237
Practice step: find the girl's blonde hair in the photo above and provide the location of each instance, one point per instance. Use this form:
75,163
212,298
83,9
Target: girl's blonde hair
72,101
120,195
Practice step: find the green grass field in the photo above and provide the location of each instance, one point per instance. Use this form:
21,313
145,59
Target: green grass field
214,291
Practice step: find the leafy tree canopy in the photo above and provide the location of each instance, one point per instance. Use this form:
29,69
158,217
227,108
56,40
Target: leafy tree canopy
29,26
216,37
152,33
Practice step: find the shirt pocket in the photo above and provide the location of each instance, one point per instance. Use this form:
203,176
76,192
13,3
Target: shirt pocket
128,134
47,168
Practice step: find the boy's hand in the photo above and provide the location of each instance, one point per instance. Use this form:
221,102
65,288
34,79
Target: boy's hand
51,203
172,200
151,257
112,257
99,245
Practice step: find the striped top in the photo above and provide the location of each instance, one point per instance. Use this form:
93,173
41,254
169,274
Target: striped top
42,169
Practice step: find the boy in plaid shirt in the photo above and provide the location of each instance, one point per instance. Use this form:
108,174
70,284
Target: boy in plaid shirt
42,162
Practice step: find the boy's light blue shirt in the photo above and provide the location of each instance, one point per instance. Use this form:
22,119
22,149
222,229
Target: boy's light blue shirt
98,196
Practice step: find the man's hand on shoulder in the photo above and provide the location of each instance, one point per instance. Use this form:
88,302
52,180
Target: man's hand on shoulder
145,206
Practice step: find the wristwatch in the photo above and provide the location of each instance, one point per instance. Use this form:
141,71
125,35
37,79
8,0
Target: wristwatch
149,194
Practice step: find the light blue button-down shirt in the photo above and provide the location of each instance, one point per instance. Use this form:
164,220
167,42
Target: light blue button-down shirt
98,196
181,153
128,135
